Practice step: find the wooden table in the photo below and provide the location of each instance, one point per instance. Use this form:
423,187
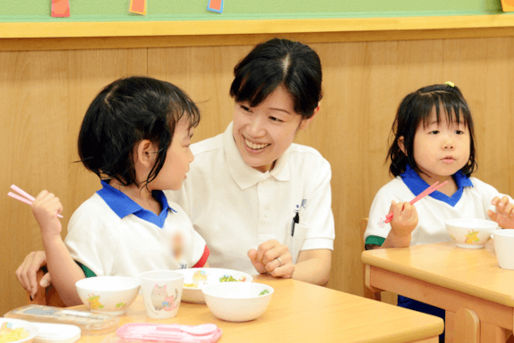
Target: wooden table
301,312
478,296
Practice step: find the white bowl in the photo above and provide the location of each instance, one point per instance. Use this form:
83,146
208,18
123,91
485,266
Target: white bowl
470,232
237,301
17,331
108,294
197,278
504,247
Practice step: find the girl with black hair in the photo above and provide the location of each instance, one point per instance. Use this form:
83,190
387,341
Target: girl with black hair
135,136
433,140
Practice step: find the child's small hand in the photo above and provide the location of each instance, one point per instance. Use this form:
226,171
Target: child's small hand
504,214
45,209
405,220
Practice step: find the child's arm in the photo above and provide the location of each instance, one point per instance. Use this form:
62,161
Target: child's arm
65,272
504,214
405,220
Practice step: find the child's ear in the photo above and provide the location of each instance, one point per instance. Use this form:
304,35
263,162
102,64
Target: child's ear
401,145
144,152
305,122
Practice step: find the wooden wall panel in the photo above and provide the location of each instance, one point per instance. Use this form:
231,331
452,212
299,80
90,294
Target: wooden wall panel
44,96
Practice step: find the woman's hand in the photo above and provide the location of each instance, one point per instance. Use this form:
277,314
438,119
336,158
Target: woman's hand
273,258
26,272
504,214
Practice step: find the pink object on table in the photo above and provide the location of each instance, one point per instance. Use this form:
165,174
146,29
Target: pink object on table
420,196
23,196
169,333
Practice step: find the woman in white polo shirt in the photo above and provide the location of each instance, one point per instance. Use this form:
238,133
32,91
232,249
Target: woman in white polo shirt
261,202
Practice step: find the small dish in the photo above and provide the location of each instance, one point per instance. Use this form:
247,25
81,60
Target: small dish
237,302
470,232
197,278
16,331
108,294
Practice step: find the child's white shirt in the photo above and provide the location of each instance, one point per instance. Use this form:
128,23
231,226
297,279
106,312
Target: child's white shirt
432,210
111,239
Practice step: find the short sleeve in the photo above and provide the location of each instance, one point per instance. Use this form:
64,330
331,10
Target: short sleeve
317,216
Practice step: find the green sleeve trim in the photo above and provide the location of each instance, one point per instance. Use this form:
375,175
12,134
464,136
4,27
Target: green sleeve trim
87,272
375,240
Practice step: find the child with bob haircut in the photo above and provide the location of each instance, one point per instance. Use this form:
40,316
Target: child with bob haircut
433,141
135,137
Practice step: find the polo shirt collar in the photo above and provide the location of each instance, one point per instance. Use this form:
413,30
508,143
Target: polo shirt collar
417,185
246,176
123,206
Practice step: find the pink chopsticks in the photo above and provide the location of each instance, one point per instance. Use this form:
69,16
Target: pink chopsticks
23,196
420,196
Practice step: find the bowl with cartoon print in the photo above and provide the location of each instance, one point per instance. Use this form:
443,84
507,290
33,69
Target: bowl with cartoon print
237,301
470,232
17,331
197,278
108,294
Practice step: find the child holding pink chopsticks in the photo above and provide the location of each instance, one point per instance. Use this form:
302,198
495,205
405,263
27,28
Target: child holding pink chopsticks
433,143
135,136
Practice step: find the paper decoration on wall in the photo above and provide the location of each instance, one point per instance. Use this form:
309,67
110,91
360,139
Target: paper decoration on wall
138,7
508,5
60,8
215,6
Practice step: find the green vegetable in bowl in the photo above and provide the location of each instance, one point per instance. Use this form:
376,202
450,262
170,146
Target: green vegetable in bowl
264,292
227,278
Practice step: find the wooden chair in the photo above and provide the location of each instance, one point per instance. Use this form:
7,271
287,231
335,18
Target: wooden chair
45,296
388,297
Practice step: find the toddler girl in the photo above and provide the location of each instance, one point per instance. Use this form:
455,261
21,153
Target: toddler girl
135,137
433,141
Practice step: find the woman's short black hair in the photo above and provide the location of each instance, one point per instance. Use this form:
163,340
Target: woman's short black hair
279,62
415,109
125,112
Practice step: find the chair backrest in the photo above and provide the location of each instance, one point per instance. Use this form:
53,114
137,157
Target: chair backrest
363,224
45,296
388,297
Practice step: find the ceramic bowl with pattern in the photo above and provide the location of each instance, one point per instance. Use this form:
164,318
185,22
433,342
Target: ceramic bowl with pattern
237,301
197,278
470,232
108,294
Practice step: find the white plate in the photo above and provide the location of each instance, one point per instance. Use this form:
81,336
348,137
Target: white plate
56,333
16,327
196,278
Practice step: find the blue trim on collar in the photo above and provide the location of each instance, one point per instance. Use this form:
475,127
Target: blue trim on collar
122,205
417,185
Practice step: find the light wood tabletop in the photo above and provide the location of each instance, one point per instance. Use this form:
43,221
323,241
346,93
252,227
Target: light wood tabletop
301,312
476,293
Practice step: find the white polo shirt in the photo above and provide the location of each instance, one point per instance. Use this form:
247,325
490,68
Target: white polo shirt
110,234
235,207
472,199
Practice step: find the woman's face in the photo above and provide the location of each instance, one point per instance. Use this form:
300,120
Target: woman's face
262,133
